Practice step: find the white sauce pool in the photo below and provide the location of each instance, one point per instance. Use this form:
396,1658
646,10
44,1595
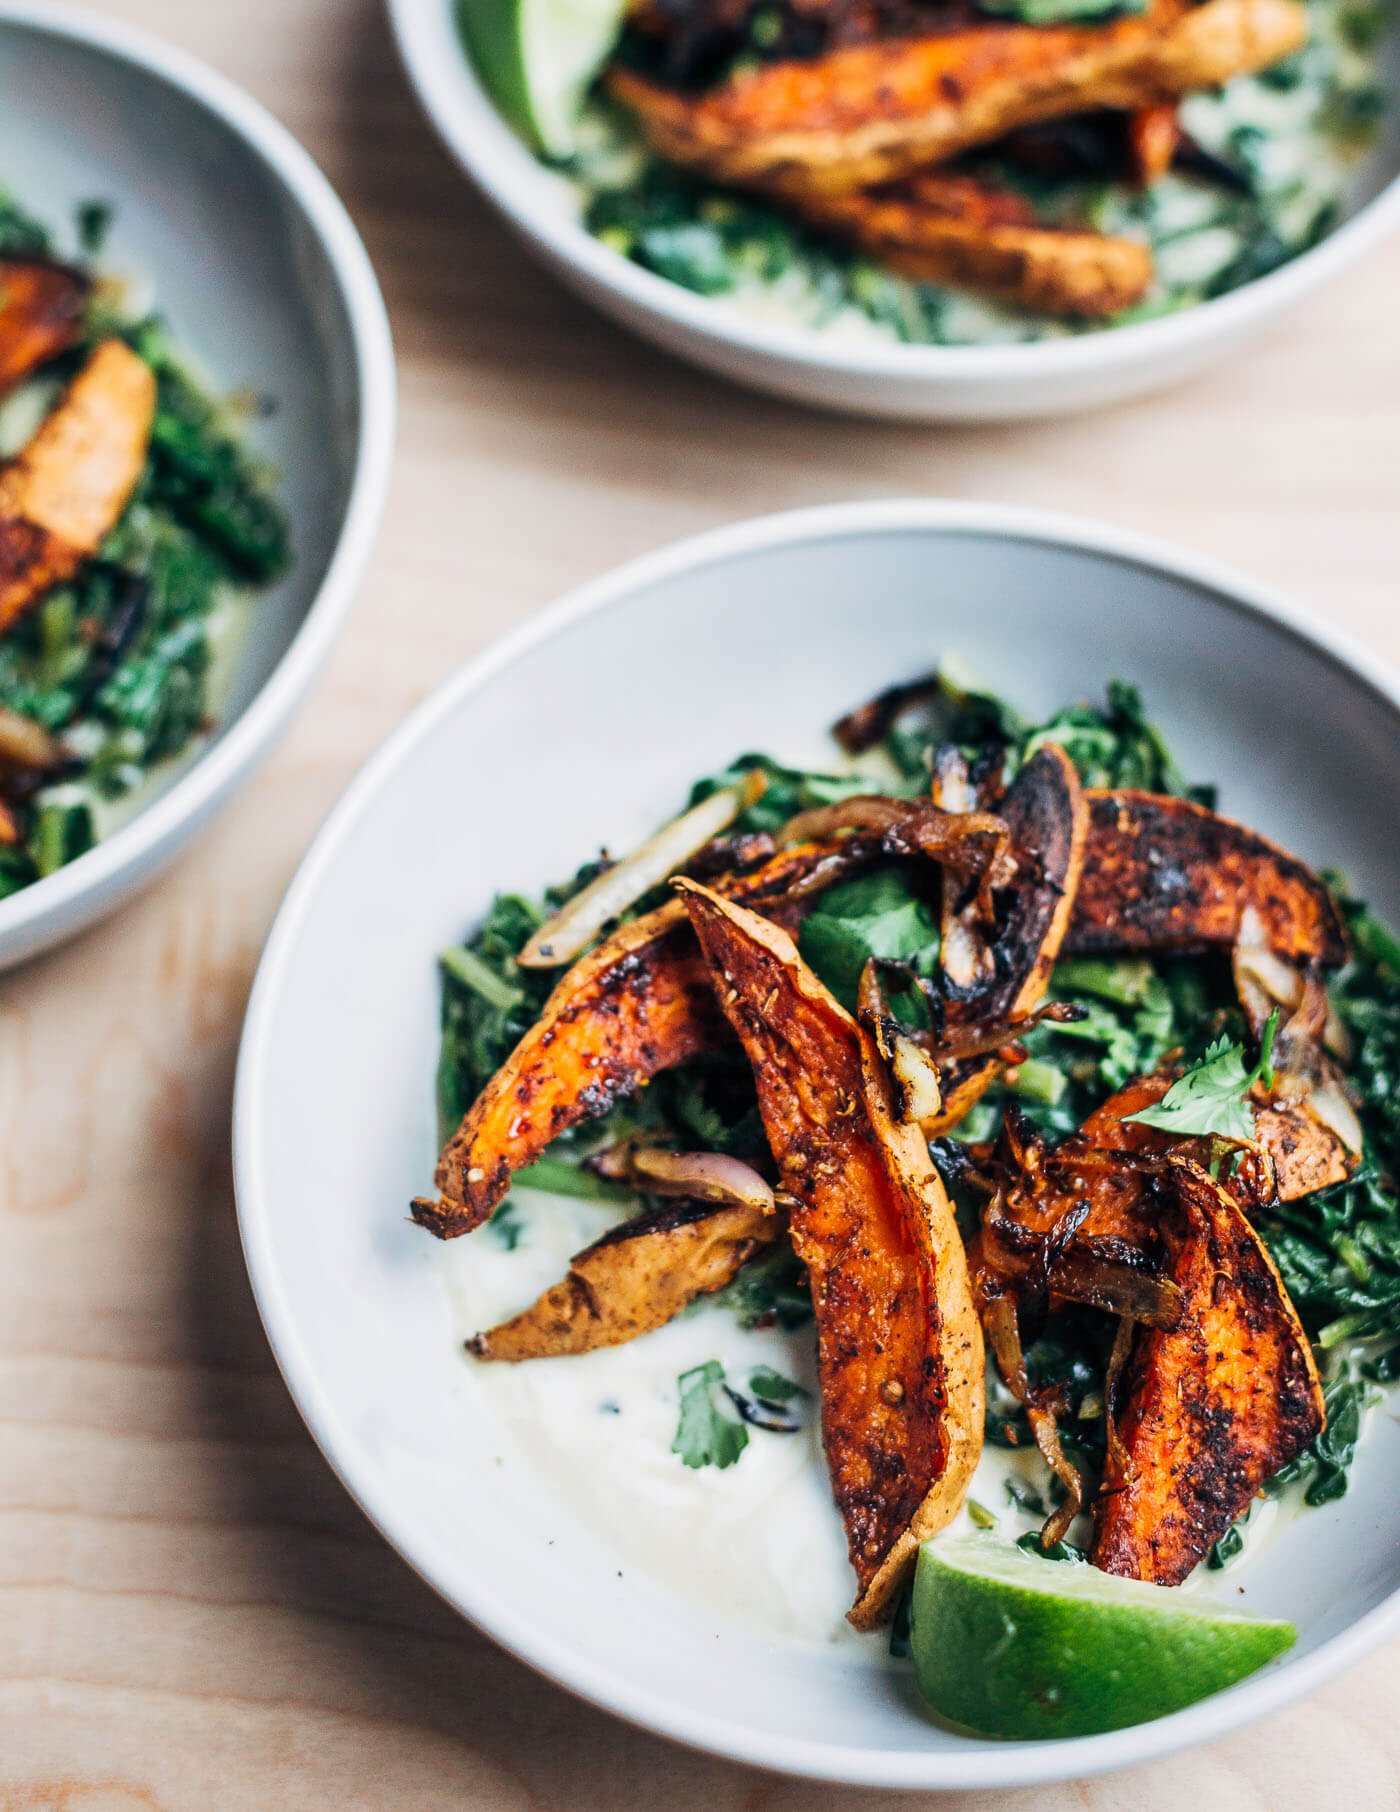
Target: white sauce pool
758,1544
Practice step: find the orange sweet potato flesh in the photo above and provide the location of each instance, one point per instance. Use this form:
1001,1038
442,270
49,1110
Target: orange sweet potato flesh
634,1279
952,229
899,1344
66,489
1214,1407
875,113
638,1004
1163,874
41,314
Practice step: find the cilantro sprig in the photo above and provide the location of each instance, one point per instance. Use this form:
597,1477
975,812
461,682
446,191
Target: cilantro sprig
708,1434
1210,1099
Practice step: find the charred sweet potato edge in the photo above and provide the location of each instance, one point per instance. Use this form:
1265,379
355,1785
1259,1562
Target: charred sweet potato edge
1214,1407
1164,874
900,1350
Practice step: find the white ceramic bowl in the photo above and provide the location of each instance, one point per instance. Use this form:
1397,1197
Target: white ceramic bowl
923,383
257,267
586,727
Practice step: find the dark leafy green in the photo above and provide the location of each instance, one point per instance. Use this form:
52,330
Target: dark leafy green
874,915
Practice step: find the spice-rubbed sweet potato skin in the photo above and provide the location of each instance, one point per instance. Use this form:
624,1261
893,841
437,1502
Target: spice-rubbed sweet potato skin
638,1004
899,1344
878,112
954,229
1165,874
635,1278
41,314
66,489
1215,1406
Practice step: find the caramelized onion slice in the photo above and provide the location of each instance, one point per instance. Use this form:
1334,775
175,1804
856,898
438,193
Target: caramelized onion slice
1331,1106
560,939
703,1176
872,722
862,811
918,1093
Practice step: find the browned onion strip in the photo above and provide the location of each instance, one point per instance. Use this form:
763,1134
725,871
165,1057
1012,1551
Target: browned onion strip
1081,1271
972,845
917,1089
862,811
872,722
1004,1335
1047,1438
1120,1463
703,1176
956,1043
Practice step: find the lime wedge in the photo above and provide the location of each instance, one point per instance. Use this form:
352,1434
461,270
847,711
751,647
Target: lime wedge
536,59
1009,1645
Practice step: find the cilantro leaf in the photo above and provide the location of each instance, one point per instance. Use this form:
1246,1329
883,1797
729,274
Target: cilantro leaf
1210,1098
772,1387
706,1434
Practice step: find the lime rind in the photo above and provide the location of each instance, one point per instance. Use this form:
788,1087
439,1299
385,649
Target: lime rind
537,59
1008,1645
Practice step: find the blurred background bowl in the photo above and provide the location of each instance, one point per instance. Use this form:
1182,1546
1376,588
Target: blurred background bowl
254,263
920,383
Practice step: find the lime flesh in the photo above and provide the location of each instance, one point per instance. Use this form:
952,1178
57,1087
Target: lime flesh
536,59
1006,1644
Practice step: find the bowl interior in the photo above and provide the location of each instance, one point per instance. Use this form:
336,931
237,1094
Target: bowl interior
587,730
209,232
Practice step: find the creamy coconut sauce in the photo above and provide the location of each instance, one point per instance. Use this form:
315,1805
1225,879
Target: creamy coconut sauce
758,1544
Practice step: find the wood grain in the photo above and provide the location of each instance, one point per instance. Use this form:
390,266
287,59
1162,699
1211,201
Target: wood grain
192,1614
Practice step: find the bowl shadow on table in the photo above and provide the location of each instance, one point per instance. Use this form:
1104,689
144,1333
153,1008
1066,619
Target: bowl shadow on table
364,1636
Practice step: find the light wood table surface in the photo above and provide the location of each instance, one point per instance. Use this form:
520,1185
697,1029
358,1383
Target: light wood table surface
192,1613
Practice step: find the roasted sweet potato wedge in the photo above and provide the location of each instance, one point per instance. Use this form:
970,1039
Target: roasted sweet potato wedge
62,494
952,229
635,1278
1162,874
1211,1409
41,314
875,113
640,1003
899,1345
